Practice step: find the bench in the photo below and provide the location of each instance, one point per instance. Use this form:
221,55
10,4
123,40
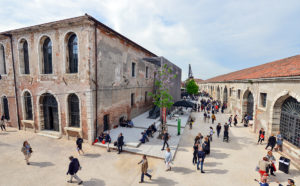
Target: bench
28,122
73,129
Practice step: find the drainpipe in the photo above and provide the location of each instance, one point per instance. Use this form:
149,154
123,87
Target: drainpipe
96,80
15,82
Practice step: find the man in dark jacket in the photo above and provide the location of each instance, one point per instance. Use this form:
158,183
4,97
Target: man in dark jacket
201,157
120,143
79,142
74,166
271,142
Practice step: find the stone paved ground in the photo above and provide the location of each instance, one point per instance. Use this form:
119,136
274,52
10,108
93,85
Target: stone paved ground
229,164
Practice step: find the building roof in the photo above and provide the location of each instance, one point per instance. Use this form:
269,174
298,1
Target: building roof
287,67
77,20
198,80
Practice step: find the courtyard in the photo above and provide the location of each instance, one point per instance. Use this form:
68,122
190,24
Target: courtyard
230,163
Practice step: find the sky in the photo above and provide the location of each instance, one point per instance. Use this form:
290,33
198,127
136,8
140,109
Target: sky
214,36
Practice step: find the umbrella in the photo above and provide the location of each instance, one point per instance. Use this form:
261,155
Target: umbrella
184,103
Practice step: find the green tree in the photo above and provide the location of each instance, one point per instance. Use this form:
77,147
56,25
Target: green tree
192,87
162,97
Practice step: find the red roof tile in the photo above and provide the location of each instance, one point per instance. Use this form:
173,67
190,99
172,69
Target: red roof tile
286,67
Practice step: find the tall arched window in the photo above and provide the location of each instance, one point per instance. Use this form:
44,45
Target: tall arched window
28,106
26,58
73,54
2,60
47,56
74,112
5,107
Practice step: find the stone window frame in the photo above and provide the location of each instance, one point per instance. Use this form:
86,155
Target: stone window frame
23,104
66,38
239,94
68,119
147,72
133,69
21,56
4,60
132,99
41,41
260,105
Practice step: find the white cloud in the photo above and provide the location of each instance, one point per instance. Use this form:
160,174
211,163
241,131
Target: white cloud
214,36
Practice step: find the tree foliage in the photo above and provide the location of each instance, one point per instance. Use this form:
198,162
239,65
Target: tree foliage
162,97
192,87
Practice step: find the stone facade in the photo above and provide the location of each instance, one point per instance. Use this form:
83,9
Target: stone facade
277,90
103,84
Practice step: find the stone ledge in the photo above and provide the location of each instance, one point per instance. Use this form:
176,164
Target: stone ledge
30,122
73,129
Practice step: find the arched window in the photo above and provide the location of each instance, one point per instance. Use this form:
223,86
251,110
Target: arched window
47,56
290,121
73,54
5,107
2,60
74,112
26,58
28,106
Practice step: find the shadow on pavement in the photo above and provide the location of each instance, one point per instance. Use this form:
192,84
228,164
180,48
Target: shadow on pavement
212,164
182,170
162,181
3,133
41,164
94,182
5,144
215,171
92,155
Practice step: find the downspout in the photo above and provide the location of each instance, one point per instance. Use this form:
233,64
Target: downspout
96,81
15,82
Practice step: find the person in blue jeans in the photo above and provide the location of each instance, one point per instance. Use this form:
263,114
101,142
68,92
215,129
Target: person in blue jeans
144,168
201,157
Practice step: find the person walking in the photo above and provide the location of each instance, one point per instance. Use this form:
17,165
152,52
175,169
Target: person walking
230,120
195,153
226,132
206,145
271,142
204,116
279,142
79,142
211,133
261,136
201,157
263,166
272,162
213,118
235,120
165,137
263,182
144,168
2,123
108,140
198,138
120,143
168,159
74,166
218,128
27,151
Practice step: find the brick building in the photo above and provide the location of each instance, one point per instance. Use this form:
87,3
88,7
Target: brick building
270,93
73,76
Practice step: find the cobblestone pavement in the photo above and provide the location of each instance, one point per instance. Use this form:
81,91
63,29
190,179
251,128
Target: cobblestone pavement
230,163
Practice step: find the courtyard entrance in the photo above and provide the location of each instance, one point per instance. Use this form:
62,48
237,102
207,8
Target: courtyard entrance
50,112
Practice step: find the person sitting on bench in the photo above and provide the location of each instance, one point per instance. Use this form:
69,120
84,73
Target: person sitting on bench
153,128
123,122
144,137
149,132
129,123
101,137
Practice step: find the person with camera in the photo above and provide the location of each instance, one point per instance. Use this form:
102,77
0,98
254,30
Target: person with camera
27,151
